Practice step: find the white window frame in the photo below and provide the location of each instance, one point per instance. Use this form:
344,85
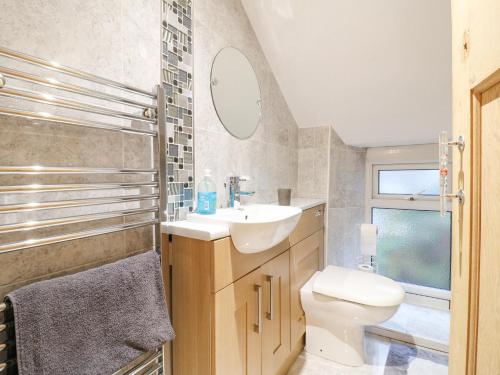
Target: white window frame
403,158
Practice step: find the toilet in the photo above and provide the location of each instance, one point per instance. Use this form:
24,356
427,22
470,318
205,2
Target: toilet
338,303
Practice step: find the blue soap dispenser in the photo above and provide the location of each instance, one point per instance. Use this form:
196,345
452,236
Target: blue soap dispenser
207,195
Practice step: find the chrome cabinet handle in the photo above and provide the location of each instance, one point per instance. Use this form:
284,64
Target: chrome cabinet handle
258,326
318,213
270,314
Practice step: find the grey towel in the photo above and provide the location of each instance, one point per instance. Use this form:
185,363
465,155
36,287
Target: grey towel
93,322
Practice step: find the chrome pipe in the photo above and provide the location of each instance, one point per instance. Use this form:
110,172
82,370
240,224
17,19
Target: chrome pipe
58,101
53,83
155,369
84,202
159,155
139,362
140,368
55,66
44,116
40,170
35,242
78,219
36,188
160,148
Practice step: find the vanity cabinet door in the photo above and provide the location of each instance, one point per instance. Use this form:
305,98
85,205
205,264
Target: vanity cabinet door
238,327
304,262
276,333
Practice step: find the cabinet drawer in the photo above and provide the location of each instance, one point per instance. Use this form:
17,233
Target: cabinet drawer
311,221
228,264
304,262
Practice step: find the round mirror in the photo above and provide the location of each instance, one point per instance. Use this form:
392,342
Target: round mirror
235,93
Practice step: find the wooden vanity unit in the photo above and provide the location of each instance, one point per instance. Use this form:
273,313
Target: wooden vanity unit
236,313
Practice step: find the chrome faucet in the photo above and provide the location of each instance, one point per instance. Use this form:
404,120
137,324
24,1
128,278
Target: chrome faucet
235,192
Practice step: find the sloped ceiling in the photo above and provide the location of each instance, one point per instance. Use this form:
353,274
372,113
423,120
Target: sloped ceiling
378,71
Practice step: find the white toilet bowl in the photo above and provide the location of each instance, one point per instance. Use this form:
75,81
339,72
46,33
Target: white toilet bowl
338,304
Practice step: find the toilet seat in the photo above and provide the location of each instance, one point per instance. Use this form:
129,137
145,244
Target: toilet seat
357,286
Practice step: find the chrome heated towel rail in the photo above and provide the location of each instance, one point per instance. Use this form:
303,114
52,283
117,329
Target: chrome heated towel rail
140,113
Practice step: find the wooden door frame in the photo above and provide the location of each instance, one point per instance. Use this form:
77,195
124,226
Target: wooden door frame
475,217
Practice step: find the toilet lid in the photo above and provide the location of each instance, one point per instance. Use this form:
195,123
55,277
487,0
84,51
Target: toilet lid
357,286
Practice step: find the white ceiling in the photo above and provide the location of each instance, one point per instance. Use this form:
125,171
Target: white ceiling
378,71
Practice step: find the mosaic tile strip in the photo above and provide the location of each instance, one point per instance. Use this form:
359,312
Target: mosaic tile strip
177,78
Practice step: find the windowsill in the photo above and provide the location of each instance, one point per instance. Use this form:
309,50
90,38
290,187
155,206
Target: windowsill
423,326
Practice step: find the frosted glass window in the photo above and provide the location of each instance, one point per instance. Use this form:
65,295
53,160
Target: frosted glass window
414,246
408,181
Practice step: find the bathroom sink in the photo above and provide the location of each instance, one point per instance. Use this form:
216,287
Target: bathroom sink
254,228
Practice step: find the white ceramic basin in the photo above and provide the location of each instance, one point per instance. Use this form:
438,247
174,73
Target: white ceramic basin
254,228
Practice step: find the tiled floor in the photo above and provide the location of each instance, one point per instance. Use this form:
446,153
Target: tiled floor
383,357
419,325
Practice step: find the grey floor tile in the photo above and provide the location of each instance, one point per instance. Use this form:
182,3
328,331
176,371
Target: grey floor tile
383,357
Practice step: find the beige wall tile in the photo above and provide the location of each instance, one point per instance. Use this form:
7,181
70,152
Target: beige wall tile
344,235
306,137
327,168
345,201
313,162
321,136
